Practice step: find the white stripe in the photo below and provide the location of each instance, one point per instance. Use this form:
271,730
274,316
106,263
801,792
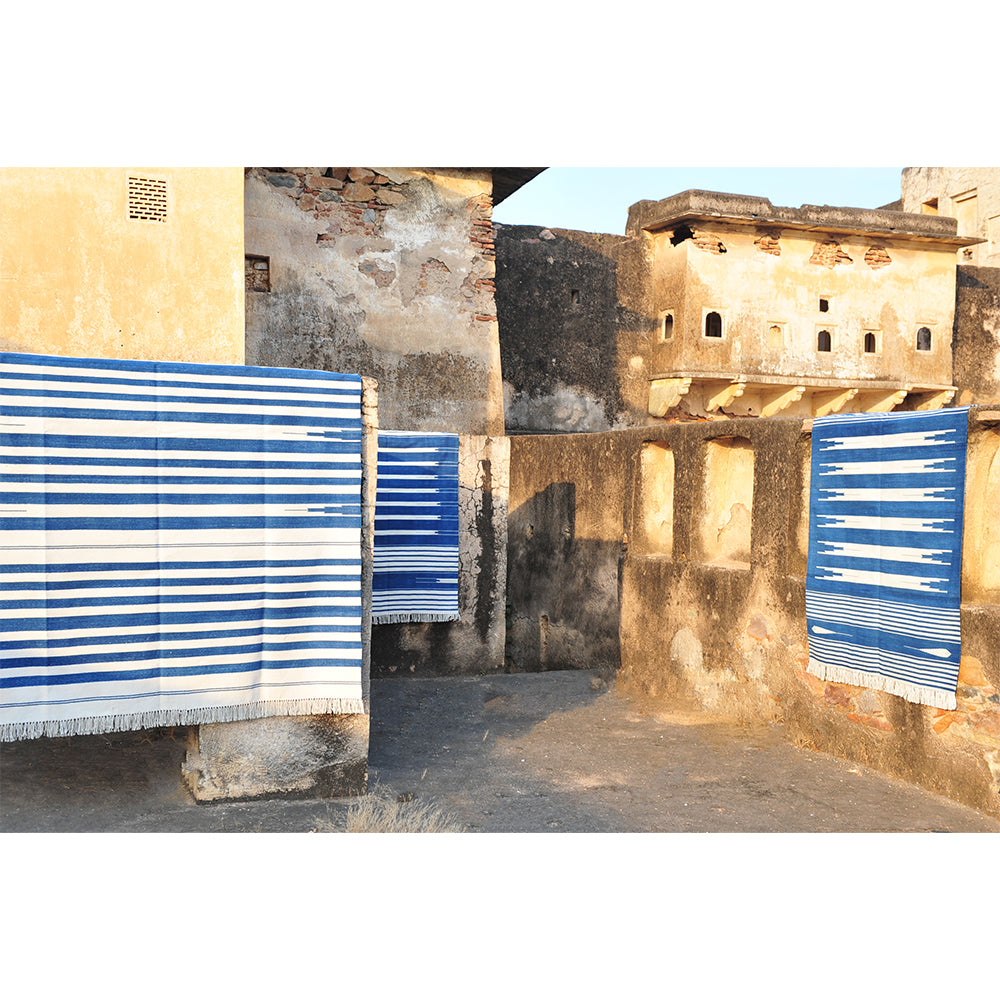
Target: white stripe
871,578
893,553
875,494
865,523
903,466
903,439
235,381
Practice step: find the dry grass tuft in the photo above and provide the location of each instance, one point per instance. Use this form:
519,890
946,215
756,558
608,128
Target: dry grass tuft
381,812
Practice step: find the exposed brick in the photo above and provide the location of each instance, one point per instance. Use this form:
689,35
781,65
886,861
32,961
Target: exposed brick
829,254
768,244
876,257
710,244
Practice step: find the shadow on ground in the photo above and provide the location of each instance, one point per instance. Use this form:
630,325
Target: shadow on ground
550,752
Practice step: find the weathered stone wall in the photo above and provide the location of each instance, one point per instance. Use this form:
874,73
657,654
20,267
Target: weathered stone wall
715,619
565,545
383,272
969,194
574,331
80,278
976,342
775,290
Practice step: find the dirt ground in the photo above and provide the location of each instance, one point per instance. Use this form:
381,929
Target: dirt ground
530,753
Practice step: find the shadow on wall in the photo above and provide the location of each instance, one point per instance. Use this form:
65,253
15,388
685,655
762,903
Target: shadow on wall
562,591
571,329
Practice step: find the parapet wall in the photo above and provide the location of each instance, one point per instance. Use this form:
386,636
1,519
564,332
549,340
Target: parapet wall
679,554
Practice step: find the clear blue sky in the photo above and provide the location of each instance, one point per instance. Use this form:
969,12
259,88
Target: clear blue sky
597,199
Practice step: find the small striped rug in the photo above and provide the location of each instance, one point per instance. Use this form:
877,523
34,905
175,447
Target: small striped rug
180,544
416,528
884,577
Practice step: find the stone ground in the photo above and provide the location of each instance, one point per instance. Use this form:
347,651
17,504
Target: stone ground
514,753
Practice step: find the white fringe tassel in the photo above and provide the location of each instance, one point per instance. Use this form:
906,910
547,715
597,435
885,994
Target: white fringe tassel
12,731
395,617
915,693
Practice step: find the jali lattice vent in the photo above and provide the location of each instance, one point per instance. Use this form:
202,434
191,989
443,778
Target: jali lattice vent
147,199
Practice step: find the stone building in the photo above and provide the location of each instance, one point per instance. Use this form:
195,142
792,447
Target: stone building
970,195
719,305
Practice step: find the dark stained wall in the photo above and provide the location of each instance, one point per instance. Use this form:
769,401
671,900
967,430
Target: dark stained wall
573,326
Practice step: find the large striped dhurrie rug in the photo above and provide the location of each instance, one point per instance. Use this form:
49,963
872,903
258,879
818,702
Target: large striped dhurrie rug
415,577
180,544
883,586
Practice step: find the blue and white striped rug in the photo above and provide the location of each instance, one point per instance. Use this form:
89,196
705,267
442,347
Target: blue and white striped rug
884,578
180,544
416,528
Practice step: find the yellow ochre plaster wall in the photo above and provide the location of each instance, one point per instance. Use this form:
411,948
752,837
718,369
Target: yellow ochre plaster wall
79,278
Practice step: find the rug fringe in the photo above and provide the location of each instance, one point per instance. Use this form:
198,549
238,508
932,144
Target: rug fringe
93,725
904,689
396,617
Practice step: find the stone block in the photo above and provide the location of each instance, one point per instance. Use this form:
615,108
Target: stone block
313,756
362,175
357,192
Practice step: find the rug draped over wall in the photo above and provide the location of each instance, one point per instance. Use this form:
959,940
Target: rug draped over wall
883,587
180,544
416,528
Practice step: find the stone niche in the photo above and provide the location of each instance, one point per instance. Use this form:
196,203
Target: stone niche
981,547
654,513
727,502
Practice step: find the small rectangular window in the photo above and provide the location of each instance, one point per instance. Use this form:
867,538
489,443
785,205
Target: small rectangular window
923,338
824,305
713,324
257,273
870,342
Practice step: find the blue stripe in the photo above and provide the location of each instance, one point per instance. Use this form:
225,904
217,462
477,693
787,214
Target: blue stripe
348,445
201,370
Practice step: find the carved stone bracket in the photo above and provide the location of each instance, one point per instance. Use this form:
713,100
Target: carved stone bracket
936,400
778,401
881,402
666,393
718,399
825,403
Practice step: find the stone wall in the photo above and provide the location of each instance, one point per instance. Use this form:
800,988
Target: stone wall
81,278
976,343
969,194
689,543
383,272
574,331
389,273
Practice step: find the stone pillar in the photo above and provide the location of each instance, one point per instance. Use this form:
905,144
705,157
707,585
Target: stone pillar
306,756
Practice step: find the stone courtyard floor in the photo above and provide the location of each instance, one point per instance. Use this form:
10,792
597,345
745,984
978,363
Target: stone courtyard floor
530,753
